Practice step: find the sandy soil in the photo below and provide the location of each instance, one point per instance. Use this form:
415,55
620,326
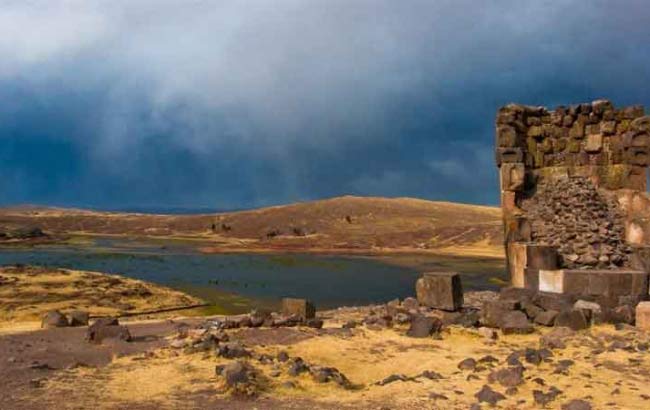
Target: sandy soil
26,293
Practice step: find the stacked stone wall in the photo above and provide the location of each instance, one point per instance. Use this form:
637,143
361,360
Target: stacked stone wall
573,180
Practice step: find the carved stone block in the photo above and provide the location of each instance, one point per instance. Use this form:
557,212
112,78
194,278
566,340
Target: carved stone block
512,176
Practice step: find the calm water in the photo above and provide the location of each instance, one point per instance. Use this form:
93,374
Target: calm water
329,281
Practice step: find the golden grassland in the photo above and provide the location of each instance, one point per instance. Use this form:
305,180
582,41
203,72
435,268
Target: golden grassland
368,356
351,225
26,293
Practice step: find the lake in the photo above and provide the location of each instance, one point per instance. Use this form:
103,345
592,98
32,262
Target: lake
242,281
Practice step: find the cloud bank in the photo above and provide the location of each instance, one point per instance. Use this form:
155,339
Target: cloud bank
231,104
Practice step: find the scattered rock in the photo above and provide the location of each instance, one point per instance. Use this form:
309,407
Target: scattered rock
297,366
543,399
467,364
437,396
351,324
240,378
487,395
577,405
79,318
392,379
410,303
54,318
493,313
431,375
573,319
107,329
314,323
488,333
508,377
232,350
546,318
423,326
516,322
562,367
511,391
531,310
592,307
328,374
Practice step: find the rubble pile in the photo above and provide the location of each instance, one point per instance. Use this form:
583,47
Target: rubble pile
585,225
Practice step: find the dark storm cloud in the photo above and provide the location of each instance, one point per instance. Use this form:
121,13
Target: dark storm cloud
236,104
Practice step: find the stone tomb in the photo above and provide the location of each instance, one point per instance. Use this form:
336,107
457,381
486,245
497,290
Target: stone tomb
573,193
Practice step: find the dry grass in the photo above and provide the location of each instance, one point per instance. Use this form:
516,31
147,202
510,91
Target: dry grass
347,224
369,356
28,292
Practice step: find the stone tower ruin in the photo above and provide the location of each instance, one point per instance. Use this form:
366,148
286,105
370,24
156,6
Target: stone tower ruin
575,206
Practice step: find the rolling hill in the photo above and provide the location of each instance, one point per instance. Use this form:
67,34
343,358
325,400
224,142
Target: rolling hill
343,224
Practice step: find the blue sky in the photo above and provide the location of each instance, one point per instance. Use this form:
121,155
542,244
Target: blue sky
236,104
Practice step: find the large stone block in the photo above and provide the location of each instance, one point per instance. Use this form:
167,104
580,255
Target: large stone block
517,229
512,176
643,315
506,155
641,124
594,143
607,283
298,307
509,202
507,136
637,156
522,256
440,290
551,280
635,139
531,278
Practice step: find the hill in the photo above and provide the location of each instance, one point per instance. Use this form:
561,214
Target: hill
344,224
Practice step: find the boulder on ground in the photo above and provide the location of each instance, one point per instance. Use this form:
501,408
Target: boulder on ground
54,318
440,290
240,378
494,311
314,323
488,333
260,318
507,377
577,405
79,318
546,318
424,326
410,303
487,395
298,307
107,329
573,319
516,322
232,350
327,374
623,314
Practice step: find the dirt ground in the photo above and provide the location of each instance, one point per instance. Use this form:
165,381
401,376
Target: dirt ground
56,369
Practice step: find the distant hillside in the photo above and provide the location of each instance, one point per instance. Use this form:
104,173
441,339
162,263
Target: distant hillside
343,224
